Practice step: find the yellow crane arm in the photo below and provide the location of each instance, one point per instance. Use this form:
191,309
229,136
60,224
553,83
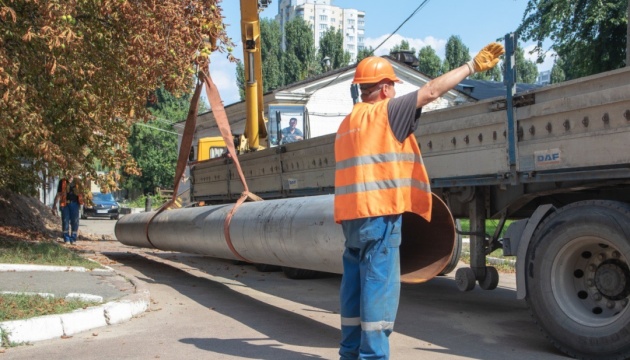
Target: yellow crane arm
255,126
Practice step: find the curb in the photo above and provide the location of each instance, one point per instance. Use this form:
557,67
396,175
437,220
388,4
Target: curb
60,325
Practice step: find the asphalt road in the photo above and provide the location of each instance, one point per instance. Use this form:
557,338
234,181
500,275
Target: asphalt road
204,308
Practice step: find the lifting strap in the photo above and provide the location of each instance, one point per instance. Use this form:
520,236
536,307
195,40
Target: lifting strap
216,104
184,150
224,127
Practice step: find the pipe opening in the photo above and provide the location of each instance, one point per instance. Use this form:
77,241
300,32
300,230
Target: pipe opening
426,247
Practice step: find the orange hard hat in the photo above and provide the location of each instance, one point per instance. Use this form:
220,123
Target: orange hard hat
374,69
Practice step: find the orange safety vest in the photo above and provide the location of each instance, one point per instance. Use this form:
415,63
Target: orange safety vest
375,174
64,193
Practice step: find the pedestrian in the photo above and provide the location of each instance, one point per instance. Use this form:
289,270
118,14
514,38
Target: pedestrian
291,133
70,198
380,175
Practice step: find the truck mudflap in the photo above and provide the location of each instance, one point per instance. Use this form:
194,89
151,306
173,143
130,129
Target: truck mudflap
578,279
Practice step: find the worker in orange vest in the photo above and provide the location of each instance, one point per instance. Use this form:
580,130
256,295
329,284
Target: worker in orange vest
380,175
70,198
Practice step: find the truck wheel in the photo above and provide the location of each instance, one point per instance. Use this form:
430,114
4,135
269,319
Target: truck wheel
298,274
491,280
578,279
465,279
267,268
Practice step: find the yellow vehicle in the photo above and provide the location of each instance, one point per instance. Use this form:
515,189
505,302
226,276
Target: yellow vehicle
210,148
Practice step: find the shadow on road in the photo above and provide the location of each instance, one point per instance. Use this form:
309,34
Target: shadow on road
480,324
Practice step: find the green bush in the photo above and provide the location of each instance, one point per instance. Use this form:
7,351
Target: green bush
140,201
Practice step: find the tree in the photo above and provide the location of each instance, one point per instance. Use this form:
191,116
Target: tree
589,35
430,62
271,53
526,70
557,74
331,46
403,46
75,76
299,54
493,74
365,52
154,147
167,107
456,54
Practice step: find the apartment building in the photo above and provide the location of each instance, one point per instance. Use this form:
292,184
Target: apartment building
322,15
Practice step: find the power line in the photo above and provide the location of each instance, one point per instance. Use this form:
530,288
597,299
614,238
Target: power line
157,128
401,25
373,50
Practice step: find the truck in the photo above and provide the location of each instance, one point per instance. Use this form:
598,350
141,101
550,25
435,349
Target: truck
553,160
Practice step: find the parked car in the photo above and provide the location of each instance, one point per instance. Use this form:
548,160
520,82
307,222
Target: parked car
104,205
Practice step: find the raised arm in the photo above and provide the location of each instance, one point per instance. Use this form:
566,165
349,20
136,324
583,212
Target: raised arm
486,59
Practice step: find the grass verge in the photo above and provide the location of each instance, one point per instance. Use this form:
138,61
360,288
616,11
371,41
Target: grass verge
41,253
16,307
504,264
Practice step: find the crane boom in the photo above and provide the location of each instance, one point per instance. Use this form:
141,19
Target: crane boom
255,126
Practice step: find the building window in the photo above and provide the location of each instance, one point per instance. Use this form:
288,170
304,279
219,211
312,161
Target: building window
350,22
323,18
323,26
333,20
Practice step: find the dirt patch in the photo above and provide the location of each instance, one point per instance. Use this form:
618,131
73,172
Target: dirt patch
28,219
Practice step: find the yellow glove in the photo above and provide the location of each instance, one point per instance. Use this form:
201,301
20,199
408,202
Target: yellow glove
487,58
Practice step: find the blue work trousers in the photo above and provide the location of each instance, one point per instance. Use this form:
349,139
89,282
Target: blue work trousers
70,219
370,286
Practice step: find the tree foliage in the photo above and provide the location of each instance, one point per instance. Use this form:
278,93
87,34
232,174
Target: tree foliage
589,35
456,54
404,45
557,74
76,74
299,51
271,53
494,74
526,70
430,62
154,147
331,46
365,52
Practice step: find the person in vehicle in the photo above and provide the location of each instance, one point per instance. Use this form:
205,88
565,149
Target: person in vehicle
291,133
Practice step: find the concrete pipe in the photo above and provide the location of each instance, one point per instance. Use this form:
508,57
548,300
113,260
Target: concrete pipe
295,232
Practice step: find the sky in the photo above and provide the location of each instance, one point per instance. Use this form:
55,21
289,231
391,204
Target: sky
477,23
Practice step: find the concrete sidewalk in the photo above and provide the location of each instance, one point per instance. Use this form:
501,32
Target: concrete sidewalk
122,297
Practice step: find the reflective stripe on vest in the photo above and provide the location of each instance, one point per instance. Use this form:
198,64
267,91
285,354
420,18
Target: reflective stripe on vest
375,174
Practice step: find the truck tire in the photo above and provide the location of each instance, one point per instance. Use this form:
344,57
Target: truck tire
457,251
578,279
267,267
298,274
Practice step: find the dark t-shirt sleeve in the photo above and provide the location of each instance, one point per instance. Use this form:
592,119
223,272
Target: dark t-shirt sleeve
403,115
